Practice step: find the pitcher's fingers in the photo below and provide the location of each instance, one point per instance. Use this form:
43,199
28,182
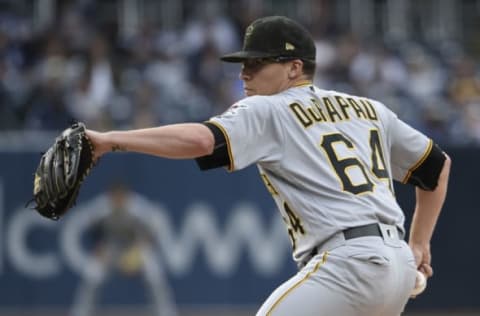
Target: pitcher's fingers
426,269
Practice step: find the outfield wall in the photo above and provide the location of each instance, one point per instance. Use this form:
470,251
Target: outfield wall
217,235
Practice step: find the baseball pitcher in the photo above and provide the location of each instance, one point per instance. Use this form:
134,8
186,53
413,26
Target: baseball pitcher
328,159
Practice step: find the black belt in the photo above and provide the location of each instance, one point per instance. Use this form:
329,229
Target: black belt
355,232
366,230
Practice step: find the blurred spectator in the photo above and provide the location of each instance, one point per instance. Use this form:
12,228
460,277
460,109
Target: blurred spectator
464,86
123,244
426,78
75,28
95,87
325,58
208,74
346,47
377,65
208,25
47,108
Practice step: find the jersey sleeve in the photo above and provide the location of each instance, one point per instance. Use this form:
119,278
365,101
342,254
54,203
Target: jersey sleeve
251,132
409,149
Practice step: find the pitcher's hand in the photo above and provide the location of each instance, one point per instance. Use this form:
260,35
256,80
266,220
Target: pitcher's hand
422,258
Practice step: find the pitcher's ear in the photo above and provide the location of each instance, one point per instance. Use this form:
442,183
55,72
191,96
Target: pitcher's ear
295,69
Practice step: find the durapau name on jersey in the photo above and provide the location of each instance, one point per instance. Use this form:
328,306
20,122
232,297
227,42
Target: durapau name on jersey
333,109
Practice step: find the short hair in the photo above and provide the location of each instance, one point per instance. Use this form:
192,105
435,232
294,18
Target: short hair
309,67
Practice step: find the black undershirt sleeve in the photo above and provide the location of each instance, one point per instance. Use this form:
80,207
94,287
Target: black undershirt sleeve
219,157
426,175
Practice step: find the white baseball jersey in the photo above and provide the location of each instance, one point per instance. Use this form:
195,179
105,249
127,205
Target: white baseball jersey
327,158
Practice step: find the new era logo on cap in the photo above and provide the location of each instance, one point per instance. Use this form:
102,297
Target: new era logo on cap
289,46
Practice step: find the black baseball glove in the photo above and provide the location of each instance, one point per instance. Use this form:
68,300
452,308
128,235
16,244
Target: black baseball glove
61,172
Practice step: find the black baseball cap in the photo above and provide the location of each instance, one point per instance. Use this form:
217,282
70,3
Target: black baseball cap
274,36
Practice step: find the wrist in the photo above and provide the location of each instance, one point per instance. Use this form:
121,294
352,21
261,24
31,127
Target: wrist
418,244
104,143
112,142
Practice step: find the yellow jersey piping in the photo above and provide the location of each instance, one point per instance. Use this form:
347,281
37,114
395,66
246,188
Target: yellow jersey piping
315,269
419,162
231,167
303,83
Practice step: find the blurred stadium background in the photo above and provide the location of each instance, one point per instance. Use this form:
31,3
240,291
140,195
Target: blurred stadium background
216,239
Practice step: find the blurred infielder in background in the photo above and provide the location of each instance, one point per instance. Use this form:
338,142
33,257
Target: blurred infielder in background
328,159
123,243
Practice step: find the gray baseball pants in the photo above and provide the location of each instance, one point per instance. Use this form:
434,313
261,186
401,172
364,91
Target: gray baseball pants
364,276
